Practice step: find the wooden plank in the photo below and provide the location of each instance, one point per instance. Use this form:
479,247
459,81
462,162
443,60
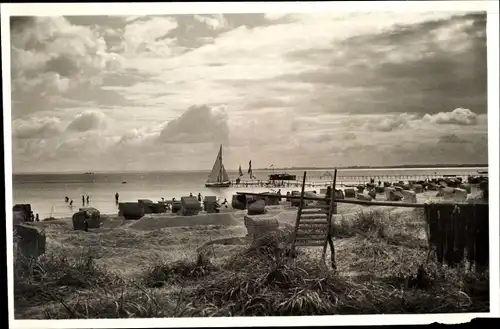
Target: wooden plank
314,212
460,236
314,222
360,202
309,236
308,243
482,237
299,212
440,238
333,207
450,256
470,223
313,216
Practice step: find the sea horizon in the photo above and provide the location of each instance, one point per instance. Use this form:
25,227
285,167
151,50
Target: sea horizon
46,192
392,167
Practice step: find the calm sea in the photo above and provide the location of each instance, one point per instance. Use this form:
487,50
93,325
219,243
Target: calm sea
46,192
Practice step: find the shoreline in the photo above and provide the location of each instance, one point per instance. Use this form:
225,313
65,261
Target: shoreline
353,168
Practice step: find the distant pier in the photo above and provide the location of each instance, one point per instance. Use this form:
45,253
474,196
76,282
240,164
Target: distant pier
325,180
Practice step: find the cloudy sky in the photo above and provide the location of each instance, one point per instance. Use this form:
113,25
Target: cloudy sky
319,89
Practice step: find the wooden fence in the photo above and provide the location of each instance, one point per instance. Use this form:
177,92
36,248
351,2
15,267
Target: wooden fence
458,232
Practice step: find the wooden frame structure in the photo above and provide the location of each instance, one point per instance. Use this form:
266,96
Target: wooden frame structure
328,238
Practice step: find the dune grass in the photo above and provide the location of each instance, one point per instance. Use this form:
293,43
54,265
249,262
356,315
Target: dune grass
387,250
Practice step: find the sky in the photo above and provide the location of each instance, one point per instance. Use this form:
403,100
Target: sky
139,93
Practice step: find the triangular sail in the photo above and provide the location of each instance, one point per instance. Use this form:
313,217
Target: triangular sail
225,176
216,169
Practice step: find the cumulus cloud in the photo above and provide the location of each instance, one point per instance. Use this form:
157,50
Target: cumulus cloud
88,120
214,22
56,64
36,127
199,124
52,44
390,123
148,36
458,116
275,16
140,136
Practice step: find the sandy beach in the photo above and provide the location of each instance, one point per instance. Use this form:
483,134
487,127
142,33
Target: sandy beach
129,249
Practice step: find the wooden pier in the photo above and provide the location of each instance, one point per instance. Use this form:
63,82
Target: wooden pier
342,180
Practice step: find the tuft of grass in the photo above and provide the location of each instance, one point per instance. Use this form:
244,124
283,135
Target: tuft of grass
161,272
364,223
131,301
50,276
274,246
400,230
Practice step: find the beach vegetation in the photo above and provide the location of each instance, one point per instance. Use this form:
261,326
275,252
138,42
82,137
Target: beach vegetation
383,267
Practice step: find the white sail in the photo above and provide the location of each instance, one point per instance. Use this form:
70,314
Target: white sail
225,176
216,169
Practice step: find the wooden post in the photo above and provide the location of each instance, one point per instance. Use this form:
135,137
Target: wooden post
329,238
299,213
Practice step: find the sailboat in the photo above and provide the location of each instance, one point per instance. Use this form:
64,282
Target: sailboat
218,176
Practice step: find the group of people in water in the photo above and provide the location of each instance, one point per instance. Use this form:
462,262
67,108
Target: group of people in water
86,199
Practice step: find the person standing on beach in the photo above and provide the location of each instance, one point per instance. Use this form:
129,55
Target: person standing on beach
37,218
117,197
83,199
88,199
199,197
71,203
328,193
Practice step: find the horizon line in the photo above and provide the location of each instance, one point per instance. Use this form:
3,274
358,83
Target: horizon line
362,167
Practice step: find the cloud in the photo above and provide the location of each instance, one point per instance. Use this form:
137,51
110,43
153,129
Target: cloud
54,45
36,127
199,124
294,92
214,22
51,59
452,138
386,124
147,36
275,16
390,68
459,116
88,120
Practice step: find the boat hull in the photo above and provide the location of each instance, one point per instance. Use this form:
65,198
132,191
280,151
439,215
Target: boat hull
217,184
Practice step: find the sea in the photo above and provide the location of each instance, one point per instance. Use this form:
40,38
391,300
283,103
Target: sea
46,192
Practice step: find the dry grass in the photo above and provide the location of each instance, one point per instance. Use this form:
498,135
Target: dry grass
263,281
161,272
386,249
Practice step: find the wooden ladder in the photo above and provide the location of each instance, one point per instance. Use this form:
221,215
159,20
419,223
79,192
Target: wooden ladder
313,224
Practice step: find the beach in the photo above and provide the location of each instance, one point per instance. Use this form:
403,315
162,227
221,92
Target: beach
130,250
46,192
